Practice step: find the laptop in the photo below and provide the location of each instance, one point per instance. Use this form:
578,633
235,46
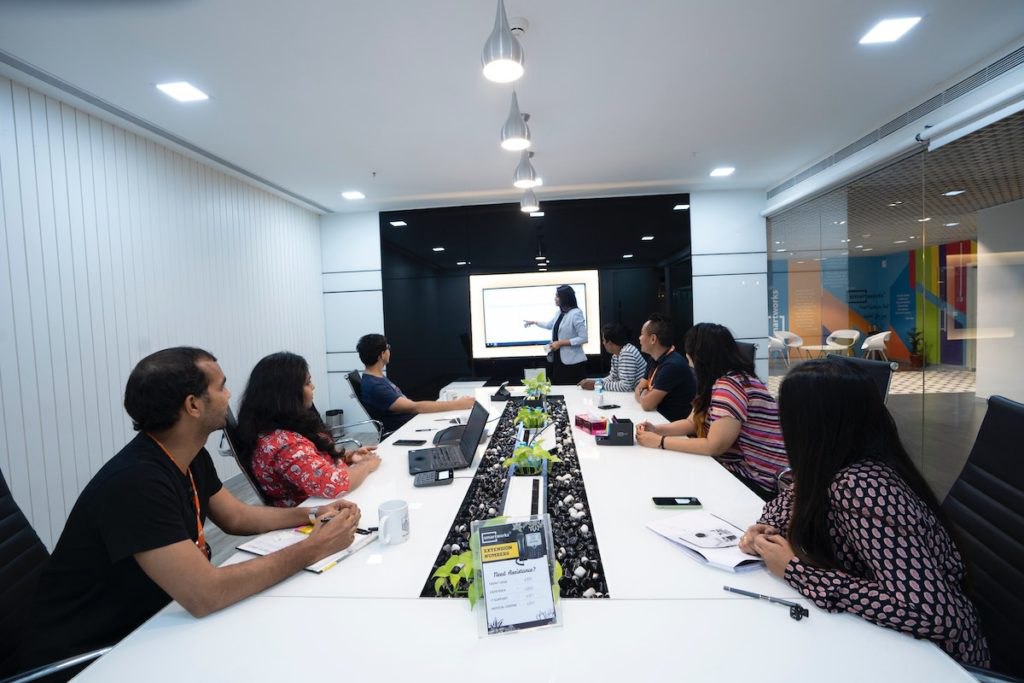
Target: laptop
452,456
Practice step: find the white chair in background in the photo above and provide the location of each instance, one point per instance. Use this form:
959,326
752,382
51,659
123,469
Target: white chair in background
790,340
842,341
775,345
875,345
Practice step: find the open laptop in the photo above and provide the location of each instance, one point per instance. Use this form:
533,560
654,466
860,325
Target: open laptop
455,455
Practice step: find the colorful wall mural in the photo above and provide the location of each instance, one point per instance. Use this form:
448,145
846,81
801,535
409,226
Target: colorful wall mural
896,292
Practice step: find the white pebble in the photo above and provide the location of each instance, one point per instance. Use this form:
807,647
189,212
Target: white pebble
491,511
584,560
568,499
580,572
455,548
584,529
589,593
578,506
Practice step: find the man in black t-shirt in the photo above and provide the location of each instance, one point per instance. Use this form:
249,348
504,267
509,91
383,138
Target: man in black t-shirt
134,540
669,386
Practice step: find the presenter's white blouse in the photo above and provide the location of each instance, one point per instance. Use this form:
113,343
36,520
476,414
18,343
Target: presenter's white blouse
573,328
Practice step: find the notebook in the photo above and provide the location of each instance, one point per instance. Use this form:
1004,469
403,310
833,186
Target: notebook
273,541
707,538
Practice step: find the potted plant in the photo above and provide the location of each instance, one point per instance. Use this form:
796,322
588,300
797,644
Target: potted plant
528,459
537,388
916,338
455,577
531,421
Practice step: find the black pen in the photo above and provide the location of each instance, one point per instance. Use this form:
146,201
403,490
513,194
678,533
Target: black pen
796,611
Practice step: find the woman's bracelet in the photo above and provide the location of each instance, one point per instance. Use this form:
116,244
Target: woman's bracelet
662,446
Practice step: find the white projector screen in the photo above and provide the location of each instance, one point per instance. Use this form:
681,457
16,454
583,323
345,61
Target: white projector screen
500,303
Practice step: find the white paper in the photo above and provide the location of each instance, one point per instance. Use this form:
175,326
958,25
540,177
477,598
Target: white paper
273,541
707,538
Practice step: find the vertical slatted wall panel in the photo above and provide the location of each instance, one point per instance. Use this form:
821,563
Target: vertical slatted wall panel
112,247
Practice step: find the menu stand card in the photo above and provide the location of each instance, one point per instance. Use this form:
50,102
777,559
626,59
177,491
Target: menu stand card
516,569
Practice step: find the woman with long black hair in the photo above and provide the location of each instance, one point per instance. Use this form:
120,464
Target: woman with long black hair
860,531
734,418
285,444
567,363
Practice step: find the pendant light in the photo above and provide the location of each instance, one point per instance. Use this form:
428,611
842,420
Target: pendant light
529,203
515,134
502,57
525,176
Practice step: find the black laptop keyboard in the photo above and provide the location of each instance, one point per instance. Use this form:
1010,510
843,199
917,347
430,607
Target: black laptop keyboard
446,457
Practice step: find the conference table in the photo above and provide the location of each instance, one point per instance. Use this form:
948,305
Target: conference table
667,617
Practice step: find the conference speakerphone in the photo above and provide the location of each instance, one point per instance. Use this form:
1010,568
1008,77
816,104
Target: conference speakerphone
452,456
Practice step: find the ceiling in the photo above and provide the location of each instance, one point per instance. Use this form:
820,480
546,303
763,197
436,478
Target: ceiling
885,211
626,97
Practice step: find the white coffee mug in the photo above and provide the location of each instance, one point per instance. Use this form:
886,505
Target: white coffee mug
393,524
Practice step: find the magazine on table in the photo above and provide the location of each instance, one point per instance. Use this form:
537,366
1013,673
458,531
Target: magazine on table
707,538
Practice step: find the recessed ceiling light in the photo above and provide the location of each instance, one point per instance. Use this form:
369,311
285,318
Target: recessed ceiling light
627,256
722,171
953,193
183,91
913,237
538,258
899,242
950,225
438,248
889,30
680,207
353,194
842,222
542,270
537,214
461,263
895,203
858,246
870,249
866,235
779,251
399,224
647,238
923,220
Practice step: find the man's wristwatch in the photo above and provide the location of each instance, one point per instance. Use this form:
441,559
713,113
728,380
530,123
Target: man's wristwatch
312,514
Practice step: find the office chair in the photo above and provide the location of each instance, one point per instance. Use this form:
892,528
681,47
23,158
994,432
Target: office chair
876,345
879,370
748,350
986,510
776,345
355,384
791,340
842,341
229,438
22,556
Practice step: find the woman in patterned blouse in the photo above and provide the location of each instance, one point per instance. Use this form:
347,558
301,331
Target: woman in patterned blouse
734,418
860,531
284,442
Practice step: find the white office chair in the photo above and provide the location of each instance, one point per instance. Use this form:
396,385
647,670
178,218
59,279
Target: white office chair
842,341
875,345
776,346
792,341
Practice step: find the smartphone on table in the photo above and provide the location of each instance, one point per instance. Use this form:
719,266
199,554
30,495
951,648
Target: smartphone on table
409,442
676,502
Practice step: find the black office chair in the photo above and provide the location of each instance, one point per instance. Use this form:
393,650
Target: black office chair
986,509
879,370
230,444
22,556
748,350
357,384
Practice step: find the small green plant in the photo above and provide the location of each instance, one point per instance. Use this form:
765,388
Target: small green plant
531,418
916,338
528,458
456,576
538,385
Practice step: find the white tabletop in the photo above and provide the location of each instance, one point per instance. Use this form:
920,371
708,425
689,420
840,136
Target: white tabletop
680,621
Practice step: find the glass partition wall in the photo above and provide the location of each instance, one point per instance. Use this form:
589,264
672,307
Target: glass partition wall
922,263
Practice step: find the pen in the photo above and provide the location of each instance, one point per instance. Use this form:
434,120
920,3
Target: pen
796,611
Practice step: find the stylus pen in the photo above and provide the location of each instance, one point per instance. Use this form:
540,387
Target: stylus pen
769,598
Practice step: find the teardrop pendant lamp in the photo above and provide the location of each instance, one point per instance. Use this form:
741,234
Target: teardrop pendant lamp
502,57
515,134
529,203
525,176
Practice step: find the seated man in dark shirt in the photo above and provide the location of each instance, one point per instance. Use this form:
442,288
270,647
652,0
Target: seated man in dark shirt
382,398
134,540
669,386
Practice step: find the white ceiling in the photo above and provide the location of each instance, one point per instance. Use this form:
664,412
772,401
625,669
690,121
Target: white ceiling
626,97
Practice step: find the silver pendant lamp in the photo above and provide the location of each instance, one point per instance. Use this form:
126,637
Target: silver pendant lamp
529,203
515,134
502,57
525,176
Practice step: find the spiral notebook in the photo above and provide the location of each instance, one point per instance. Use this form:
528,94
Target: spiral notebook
273,541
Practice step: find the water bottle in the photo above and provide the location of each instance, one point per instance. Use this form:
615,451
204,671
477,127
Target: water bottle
599,391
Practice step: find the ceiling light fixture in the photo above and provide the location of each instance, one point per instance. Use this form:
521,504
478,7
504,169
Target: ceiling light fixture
680,207
627,256
515,134
502,57
923,220
889,30
895,203
542,270
537,214
899,242
399,224
438,248
953,193
183,91
529,203
461,263
779,251
870,249
722,171
950,225
647,238
353,194
525,176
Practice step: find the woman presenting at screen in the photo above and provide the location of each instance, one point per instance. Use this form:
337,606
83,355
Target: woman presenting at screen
567,364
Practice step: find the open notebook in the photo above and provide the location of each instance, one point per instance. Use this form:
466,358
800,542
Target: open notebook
707,538
273,541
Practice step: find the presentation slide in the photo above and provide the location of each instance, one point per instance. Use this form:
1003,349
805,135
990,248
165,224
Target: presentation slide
500,303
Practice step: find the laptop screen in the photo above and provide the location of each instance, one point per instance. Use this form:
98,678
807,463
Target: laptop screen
474,430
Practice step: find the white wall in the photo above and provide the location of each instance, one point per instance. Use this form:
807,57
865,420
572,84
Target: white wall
1000,346
730,264
353,302
115,246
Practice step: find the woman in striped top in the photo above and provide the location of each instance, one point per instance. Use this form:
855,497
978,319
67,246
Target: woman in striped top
628,366
734,418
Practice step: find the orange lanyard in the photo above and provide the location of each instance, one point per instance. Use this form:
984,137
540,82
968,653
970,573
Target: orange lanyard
201,540
650,382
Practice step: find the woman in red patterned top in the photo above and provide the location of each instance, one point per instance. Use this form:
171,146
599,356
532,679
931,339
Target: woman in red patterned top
734,418
284,442
860,531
